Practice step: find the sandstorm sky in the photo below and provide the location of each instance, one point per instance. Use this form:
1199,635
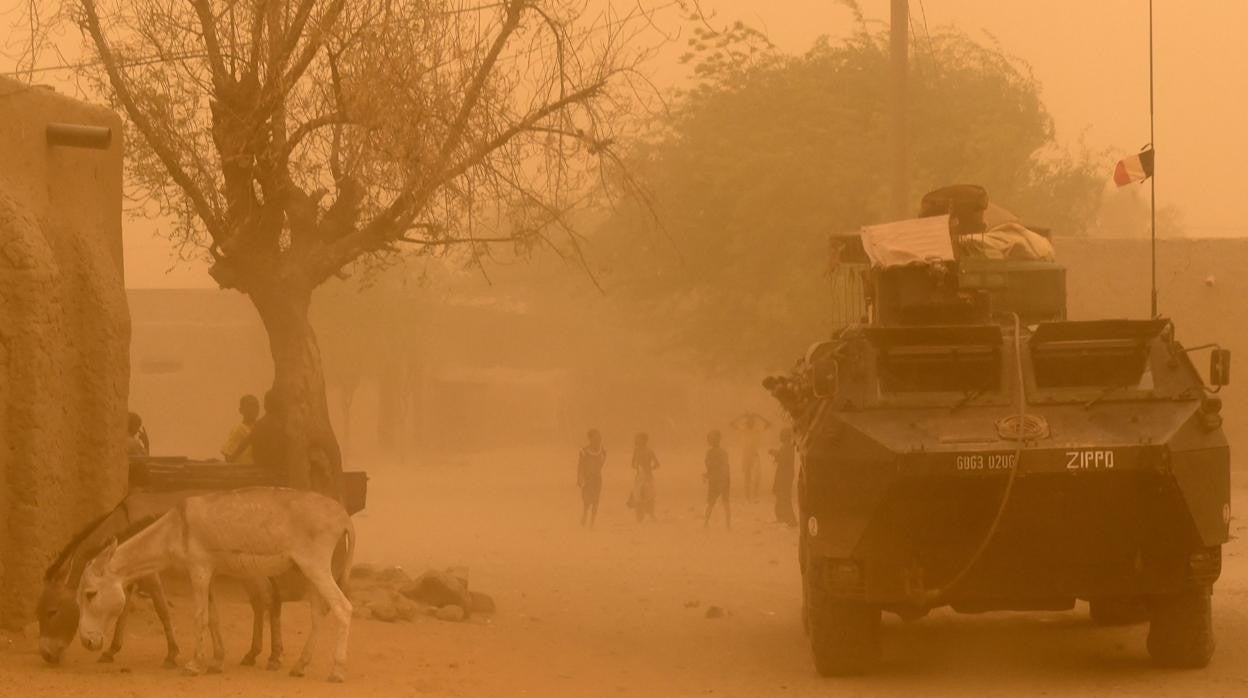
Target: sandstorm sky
1090,57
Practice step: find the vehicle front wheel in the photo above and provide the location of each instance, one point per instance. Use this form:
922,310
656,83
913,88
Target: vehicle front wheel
1180,634
844,634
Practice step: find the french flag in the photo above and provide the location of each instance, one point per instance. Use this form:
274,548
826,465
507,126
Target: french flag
1136,168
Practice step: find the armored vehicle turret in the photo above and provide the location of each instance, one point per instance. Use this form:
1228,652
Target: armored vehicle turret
966,445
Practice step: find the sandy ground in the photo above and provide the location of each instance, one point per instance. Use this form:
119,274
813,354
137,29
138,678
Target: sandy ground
604,612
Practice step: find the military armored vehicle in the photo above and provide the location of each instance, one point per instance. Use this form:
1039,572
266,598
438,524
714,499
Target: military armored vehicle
966,445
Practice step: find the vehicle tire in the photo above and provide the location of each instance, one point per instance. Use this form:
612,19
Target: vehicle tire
1180,634
844,634
1118,610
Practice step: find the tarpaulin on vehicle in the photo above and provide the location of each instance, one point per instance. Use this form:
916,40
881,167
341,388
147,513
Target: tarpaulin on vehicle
1011,241
912,241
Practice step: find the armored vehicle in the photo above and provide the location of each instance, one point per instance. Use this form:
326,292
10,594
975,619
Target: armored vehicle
966,445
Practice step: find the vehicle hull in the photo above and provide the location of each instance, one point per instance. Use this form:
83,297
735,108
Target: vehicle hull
1120,519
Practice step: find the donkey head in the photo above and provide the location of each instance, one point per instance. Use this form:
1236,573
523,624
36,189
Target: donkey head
58,617
101,598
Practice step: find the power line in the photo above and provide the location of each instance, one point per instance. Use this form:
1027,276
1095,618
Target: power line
149,60
122,64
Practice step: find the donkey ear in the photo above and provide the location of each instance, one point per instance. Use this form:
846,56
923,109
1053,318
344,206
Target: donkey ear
67,569
106,555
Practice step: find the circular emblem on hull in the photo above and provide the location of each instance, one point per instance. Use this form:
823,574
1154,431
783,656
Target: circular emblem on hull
812,525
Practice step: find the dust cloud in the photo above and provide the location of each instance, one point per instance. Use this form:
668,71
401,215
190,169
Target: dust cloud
542,399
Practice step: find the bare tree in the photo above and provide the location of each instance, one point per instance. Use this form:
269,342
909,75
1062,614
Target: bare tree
293,139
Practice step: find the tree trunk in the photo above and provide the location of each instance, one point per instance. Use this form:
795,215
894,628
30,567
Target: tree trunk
313,457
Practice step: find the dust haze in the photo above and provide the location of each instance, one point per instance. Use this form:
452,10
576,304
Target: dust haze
586,347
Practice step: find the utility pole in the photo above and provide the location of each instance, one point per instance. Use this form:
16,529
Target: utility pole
899,38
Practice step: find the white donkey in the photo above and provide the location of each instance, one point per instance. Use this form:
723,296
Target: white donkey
246,533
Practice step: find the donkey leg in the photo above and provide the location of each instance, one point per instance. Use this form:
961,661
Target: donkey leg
255,595
214,628
156,589
335,602
318,609
119,630
275,627
201,581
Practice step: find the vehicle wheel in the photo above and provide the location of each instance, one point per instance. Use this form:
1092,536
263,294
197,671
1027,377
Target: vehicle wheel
1118,610
1181,632
844,635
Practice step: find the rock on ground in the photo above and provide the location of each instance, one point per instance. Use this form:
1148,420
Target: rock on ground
394,576
439,589
483,603
450,613
383,611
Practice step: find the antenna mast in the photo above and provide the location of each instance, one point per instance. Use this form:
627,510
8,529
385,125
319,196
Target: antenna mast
1152,198
899,28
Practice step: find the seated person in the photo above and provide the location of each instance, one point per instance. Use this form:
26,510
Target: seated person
237,448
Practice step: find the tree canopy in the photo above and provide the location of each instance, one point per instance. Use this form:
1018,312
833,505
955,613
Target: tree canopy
767,154
293,139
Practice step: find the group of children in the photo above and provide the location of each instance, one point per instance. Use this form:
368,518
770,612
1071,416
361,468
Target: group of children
589,477
717,475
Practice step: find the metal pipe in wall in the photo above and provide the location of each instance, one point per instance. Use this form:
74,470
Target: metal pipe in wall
80,136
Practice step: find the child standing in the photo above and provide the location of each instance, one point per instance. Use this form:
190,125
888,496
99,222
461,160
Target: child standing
589,476
782,486
751,427
717,478
645,463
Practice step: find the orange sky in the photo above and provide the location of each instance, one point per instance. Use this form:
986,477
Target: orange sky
1091,57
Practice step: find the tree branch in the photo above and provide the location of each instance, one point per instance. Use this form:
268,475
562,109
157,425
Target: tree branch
167,157
389,224
395,212
525,124
515,10
306,128
212,45
314,43
457,241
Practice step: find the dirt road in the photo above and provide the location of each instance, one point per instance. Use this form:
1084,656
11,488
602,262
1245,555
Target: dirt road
612,611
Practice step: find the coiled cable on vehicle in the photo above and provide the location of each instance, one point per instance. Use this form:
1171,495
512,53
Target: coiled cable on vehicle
1033,427
934,597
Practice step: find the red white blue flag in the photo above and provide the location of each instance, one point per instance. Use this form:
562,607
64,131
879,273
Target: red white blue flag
1136,168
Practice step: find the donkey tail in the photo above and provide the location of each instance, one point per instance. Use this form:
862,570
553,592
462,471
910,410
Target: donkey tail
344,553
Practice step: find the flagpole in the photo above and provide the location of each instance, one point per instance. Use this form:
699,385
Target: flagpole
1152,145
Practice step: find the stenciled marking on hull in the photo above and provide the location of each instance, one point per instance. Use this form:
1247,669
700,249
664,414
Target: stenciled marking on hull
1090,459
972,462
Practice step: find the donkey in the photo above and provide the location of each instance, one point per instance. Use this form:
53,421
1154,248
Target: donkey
247,533
58,613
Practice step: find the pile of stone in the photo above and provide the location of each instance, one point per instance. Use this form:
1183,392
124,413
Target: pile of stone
390,595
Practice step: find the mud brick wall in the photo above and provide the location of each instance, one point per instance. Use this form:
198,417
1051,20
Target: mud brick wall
64,336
